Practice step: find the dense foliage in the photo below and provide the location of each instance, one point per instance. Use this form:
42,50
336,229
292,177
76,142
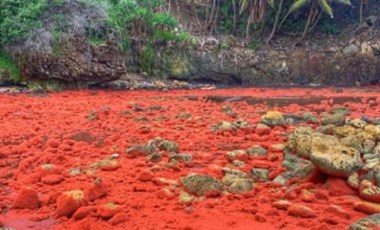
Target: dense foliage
42,26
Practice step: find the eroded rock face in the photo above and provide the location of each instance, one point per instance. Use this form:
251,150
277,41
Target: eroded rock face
76,61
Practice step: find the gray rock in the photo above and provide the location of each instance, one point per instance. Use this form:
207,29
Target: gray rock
235,172
236,154
343,110
367,223
257,150
181,157
368,146
297,168
333,119
238,163
309,117
350,50
260,174
240,186
202,185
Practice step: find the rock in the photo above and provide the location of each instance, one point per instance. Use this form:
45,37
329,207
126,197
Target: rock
49,169
377,177
185,198
338,211
376,149
344,131
69,202
108,210
52,179
260,174
157,156
373,130
326,129
240,123
145,176
98,189
202,185
237,155
302,211
292,119
352,141
332,158
366,49
343,110
240,185
273,118
151,147
333,119
27,198
299,142
165,193
369,191
235,172
262,129
367,207
350,50
368,146
281,204
256,150
357,123
354,181
106,165
278,147
238,163
297,166
309,117
181,157
119,218
223,126
169,146
83,212
80,61
367,223
307,196
75,171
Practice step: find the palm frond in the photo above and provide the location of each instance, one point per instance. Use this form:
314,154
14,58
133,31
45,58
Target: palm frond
243,5
325,6
297,4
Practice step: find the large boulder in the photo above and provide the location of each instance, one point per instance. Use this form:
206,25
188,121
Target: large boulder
332,158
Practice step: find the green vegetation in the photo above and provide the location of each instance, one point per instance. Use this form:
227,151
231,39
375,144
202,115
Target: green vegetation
7,63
